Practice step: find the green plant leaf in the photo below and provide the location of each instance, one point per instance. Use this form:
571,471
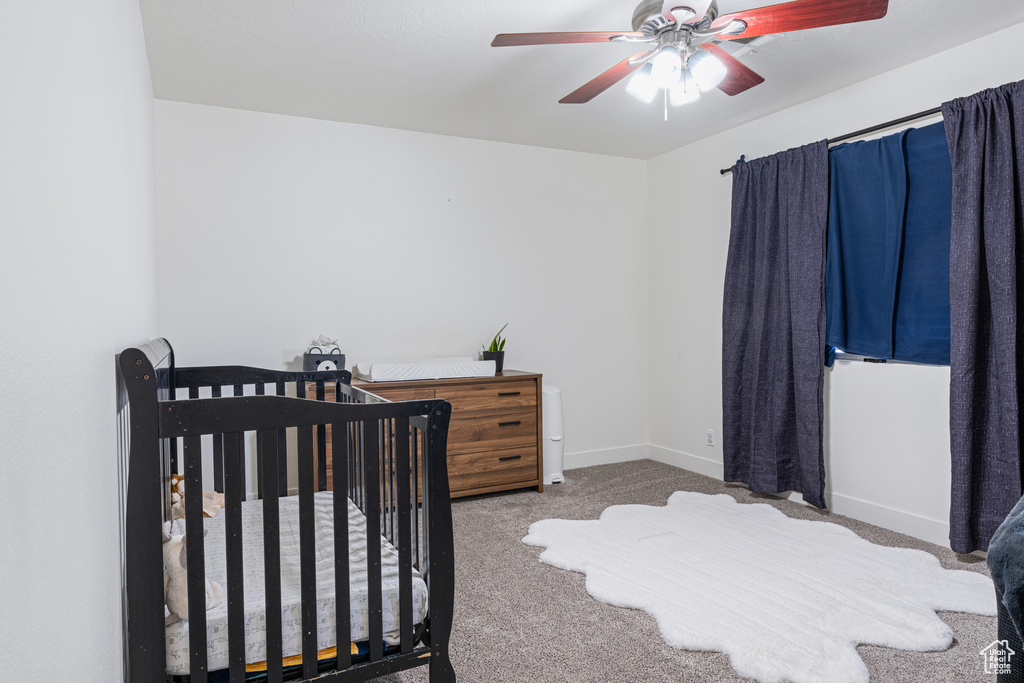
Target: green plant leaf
498,343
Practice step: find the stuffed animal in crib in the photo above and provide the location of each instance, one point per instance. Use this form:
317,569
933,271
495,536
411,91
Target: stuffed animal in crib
177,484
176,579
177,496
212,501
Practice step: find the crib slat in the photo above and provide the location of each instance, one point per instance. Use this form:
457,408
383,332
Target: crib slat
359,455
272,555
425,509
282,463
414,457
371,455
234,485
342,619
355,463
260,391
218,452
307,552
196,566
406,500
389,487
282,446
321,444
282,459
173,445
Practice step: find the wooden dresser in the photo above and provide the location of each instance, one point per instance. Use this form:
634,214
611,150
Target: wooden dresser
495,439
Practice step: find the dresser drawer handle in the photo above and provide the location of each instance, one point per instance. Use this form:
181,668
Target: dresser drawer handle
510,457
510,424
509,393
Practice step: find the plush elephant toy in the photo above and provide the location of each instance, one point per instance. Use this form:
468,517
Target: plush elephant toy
176,579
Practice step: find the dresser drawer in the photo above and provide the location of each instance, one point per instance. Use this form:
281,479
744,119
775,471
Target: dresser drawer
494,437
478,470
492,432
401,394
490,398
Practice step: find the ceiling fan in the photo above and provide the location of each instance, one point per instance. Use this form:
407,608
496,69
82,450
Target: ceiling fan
680,57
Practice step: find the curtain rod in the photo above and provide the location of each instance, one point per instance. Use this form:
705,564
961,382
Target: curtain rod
872,129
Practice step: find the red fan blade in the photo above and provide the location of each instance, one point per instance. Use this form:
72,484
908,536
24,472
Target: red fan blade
697,10
589,91
507,39
739,77
800,15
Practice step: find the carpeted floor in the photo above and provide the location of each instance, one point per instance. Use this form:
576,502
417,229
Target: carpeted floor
519,620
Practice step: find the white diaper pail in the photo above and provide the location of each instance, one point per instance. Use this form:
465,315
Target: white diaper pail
554,446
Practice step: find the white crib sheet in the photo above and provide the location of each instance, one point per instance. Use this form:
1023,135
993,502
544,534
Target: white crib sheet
253,580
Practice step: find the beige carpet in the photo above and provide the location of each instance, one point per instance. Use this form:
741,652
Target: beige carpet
519,620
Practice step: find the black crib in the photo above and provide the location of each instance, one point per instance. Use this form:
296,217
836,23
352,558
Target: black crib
400,483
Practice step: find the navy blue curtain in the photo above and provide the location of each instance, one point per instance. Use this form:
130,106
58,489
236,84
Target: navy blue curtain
986,143
887,272
773,324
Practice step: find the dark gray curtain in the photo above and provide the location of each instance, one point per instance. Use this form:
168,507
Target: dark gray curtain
773,324
986,143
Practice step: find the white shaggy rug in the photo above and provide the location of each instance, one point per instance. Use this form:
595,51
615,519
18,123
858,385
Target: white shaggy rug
786,599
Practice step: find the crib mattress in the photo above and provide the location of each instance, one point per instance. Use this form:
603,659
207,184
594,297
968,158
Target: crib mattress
431,368
253,580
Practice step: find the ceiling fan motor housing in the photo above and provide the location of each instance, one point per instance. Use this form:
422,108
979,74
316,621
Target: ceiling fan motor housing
648,19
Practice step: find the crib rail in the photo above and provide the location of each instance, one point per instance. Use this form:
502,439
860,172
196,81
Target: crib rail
377,450
236,380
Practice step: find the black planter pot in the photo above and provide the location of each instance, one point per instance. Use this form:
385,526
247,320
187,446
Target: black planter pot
498,357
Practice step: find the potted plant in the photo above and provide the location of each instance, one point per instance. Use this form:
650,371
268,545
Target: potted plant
496,351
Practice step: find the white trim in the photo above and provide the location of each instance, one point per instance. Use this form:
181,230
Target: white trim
605,456
932,530
686,461
902,521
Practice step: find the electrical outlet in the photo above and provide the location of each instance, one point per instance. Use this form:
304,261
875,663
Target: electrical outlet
711,437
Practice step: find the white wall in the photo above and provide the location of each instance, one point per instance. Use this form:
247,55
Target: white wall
78,274
888,444
274,229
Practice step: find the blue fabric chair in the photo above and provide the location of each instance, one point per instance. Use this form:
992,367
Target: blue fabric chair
1006,562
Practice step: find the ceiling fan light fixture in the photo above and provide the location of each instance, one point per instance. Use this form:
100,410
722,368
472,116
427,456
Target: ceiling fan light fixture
707,69
642,85
666,66
685,91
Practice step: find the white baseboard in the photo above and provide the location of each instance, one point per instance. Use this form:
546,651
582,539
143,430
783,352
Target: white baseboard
932,530
902,521
909,523
686,461
605,456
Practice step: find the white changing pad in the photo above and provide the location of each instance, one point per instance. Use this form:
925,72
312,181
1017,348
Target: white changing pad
430,368
253,580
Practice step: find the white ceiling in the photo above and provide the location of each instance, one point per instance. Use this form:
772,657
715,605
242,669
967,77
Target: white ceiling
428,66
